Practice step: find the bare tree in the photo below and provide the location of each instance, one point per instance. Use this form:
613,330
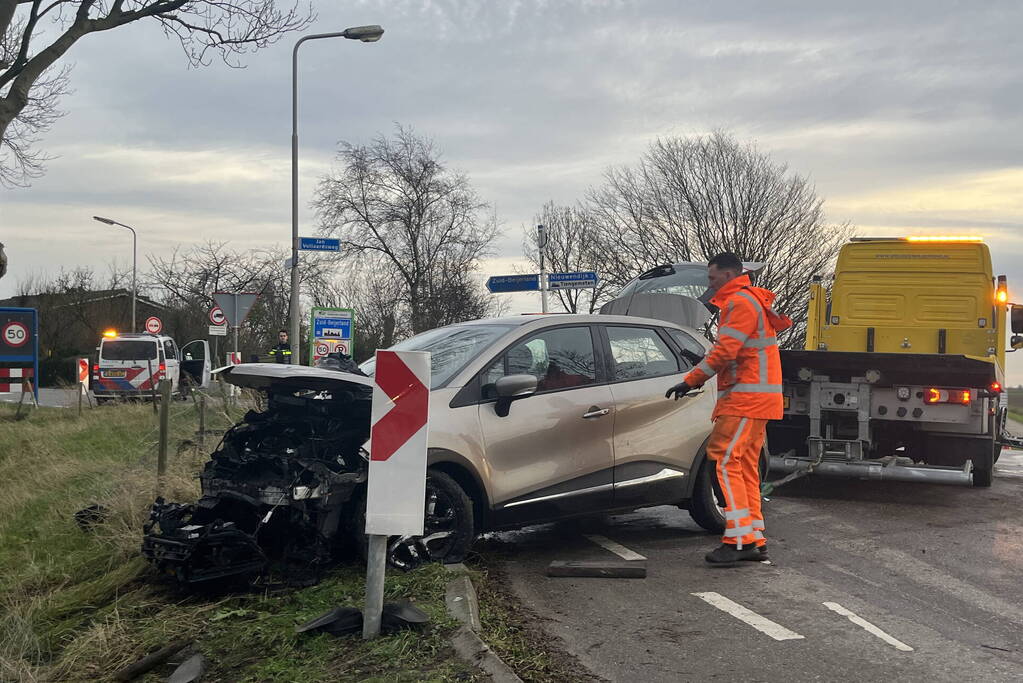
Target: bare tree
370,287
186,281
35,35
691,198
570,248
394,201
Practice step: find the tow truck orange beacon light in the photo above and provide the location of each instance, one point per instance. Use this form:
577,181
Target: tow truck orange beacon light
110,334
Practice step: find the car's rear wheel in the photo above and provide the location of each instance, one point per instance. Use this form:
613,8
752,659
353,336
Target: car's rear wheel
449,528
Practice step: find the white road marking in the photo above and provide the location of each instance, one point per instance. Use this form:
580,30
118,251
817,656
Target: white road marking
868,627
617,548
762,624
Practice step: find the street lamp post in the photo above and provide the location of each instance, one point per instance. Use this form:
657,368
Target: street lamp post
134,262
366,34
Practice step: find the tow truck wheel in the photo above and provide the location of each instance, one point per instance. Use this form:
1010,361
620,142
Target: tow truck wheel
983,467
448,523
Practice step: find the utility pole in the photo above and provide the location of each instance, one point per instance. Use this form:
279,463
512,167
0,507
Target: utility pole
541,240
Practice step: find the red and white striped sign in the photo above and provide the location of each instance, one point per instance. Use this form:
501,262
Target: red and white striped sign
83,371
396,492
21,377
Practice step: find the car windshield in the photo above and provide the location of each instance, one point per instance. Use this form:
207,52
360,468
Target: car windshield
689,279
124,349
451,348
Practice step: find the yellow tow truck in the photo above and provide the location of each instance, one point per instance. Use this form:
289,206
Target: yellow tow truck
902,373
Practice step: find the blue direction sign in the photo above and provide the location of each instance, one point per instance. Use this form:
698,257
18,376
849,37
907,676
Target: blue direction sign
500,284
583,280
319,244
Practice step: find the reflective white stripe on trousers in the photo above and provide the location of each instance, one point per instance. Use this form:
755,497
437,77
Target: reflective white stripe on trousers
728,487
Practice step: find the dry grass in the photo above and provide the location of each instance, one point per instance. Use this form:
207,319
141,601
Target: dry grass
79,606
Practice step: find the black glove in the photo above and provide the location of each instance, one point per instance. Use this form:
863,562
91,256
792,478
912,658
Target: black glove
680,390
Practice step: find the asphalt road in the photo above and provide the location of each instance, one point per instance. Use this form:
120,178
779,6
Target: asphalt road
49,397
930,574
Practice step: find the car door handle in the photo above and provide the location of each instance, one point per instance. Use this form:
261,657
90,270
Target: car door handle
595,411
694,392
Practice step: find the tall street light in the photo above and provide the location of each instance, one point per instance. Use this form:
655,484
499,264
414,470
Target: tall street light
366,34
134,262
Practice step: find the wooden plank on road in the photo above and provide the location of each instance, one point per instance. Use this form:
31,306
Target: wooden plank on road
607,569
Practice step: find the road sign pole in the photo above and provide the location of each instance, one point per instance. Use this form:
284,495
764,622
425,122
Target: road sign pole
376,571
541,233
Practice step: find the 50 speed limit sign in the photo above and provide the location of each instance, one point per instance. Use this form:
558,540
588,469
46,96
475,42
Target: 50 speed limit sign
15,334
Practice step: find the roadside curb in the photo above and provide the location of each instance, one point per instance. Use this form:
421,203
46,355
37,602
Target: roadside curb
463,605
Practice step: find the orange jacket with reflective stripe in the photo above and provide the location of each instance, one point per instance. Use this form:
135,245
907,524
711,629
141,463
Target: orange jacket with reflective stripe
745,357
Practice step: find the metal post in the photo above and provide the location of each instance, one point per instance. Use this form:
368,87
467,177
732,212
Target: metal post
294,306
202,422
161,456
376,568
152,383
367,34
134,274
542,242
81,390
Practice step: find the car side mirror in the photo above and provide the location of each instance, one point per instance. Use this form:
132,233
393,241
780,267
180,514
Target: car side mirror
511,388
1016,342
1017,319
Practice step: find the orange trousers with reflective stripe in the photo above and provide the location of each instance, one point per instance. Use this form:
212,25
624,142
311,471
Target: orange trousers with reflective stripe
734,447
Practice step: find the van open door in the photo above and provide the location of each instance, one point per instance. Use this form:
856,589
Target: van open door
195,363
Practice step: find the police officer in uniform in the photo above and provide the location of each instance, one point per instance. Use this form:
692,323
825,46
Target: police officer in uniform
282,352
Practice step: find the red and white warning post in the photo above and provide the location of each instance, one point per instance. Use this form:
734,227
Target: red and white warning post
396,494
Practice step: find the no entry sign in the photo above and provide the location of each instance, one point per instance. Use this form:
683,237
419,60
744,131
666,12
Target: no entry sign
153,325
396,494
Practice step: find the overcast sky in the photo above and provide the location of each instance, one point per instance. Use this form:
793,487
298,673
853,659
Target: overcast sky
906,115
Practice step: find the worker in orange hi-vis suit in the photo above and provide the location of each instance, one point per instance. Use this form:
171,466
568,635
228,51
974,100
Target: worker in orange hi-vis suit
746,361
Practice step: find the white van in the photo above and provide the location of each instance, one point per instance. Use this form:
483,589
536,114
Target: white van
131,365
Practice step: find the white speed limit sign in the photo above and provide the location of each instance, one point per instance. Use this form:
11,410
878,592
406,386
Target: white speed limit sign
15,334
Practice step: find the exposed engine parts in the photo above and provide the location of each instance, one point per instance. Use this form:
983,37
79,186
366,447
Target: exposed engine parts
277,494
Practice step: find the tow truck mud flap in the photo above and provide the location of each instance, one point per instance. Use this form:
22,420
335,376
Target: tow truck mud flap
880,471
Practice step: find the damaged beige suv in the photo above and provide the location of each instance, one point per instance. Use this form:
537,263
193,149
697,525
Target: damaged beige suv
532,419
536,418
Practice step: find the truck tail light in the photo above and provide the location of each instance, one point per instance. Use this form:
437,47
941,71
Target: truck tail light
934,395
95,370
996,387
161,370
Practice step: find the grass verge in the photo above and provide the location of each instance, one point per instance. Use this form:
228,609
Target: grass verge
77,606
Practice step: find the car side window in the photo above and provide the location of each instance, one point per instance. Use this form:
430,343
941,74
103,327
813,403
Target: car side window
559,359
639,352
691,348
168,348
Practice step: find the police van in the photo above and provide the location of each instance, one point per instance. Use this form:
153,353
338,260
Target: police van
132,365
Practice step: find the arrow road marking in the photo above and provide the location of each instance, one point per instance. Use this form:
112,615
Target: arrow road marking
617,548
868,627
762,624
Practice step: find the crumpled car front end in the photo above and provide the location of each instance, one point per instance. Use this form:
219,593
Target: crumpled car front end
280,492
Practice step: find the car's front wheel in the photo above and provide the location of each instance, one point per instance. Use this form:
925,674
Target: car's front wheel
449,528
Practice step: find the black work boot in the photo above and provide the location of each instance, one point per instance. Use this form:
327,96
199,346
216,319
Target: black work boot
761,554
728,554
